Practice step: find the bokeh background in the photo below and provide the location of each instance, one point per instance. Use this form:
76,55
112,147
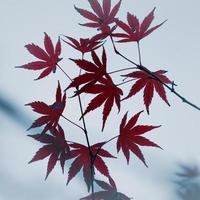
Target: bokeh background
174,47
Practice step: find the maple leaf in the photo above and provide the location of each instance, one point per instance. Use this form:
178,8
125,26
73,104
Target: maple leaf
109,192
102,17
149,83
48,59
108,93
94,72
51,113
84,45
131,136
134,30
82,157
56,147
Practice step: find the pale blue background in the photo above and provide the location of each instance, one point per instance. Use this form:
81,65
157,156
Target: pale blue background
174,47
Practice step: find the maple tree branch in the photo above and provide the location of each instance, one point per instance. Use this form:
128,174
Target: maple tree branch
112,72
64,72
139,53
118,53
124,82
144,69
73,123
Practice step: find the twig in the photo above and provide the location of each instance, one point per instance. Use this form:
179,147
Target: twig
73,123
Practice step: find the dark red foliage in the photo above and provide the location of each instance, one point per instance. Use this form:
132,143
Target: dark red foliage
51,113
130,137
109,192
102,17
149,83
108,93
94,72
134,30
55,147
84,45
82,157
48,59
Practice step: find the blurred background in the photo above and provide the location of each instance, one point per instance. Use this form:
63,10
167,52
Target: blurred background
173,173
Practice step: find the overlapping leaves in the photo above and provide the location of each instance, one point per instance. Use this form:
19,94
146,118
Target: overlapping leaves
95,80
107,93
83,161
55,147
84,45
103,15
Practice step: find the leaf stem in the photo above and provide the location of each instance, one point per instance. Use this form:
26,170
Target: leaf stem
64,72
139,53
118,53
73,123
124,82
122,70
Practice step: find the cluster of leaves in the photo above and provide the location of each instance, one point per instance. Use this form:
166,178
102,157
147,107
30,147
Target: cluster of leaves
95,79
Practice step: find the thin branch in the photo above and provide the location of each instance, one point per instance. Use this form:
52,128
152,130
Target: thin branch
64,72
120,70
124,82
144,69
84,129
139,53
73,123
118,53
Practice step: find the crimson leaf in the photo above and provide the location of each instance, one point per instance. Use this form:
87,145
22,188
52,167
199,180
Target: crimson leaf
108,93
94,72
149,83
51,113
135,31
131,136
48,59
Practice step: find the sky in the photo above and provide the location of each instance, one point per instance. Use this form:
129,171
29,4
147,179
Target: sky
174,48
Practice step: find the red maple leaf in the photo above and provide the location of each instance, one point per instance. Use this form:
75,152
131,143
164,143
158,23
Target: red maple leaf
51,113
95,71
48,59
102,17
134,30
108,93
55,147
149,83
109,192
82,157
131,136
84,45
